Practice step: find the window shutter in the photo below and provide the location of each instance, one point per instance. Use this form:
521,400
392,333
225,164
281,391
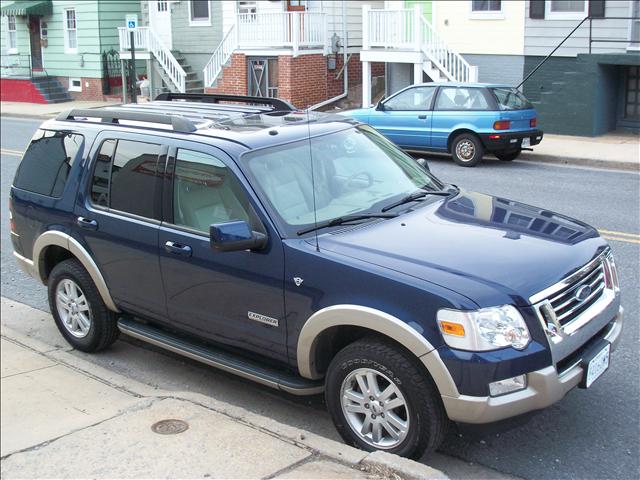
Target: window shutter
536,9
596,8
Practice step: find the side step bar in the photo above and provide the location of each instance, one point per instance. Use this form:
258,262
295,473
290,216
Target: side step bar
280,380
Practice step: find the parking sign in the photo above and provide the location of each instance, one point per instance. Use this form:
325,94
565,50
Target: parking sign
132,21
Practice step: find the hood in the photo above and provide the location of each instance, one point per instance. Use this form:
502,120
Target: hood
357,113
492,250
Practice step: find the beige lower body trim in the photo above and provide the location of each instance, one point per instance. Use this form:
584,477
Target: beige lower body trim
26,265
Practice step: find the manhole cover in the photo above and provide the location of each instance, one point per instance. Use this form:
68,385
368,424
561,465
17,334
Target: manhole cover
169,427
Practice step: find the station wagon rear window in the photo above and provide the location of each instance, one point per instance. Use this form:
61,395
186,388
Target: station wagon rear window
511,99
47,162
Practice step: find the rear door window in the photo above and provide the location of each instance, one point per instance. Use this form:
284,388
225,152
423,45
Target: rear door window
125,177
461,98
511,99
47,162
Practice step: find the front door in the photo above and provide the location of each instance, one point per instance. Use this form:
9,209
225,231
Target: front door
406,117
235,298
34,40
160,21
263,77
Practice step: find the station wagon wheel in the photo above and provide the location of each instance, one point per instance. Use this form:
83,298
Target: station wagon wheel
78,309
380,399
467,150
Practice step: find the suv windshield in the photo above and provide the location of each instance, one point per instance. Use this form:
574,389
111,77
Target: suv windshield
511,99
354,171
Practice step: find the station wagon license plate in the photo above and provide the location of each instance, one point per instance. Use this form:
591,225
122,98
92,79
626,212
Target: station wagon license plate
597,366
526,142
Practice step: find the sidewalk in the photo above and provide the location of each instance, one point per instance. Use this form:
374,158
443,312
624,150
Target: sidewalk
43,110
65,417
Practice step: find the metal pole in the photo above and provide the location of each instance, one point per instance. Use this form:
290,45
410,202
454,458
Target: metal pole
124,81
132,68
590,25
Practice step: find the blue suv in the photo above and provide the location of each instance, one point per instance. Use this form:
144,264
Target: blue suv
309,253
465,120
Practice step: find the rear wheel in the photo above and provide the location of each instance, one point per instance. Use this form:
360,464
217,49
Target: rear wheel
508,156
467,150
380,399
78,310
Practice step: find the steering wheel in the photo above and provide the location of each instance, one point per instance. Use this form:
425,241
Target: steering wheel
367,175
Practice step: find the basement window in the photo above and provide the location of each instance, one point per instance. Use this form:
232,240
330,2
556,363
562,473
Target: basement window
75,85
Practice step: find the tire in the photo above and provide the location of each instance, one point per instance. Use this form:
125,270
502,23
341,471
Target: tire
427,421
508,156
83,319
467,150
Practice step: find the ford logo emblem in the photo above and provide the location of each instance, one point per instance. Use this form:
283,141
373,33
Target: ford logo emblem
582,293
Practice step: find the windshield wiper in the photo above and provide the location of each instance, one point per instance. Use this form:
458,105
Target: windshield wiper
344,219
412,197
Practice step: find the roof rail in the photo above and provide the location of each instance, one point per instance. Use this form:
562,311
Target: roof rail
276,103
179,124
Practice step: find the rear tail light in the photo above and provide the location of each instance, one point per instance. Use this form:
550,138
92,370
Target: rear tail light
12,222
502,125
533,123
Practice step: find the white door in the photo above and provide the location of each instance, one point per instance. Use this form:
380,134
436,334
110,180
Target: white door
160,20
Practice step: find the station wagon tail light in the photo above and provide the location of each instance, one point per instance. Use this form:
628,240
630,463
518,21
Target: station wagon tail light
533,123
502,125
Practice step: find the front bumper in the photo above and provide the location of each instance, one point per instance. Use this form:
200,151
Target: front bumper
544,387
507,141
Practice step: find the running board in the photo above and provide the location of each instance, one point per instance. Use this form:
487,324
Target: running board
271,377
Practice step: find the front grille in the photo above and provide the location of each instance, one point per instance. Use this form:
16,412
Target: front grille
565,304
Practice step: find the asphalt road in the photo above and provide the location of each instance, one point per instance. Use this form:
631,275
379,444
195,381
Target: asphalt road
589,434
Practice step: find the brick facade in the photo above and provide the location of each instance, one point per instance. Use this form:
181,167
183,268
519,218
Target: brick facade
91,92
303,80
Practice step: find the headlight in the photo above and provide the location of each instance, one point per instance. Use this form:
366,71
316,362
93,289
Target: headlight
485,329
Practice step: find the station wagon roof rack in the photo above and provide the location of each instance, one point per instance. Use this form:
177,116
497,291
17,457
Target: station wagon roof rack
179,124
276,103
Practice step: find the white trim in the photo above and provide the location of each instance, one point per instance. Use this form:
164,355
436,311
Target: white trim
551,15
485,14
14,50
199,23
72,87
66,31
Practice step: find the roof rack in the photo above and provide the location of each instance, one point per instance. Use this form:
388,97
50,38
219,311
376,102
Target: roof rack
179,124
276,103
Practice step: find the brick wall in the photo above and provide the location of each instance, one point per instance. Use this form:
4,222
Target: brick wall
91,92
233,78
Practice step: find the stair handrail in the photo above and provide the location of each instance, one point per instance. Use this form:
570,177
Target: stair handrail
448,61
220,56
165,58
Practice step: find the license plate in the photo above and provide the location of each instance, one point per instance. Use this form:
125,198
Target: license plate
526,142
597,366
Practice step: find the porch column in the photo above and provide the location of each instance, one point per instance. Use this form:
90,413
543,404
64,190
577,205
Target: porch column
366,84
417,73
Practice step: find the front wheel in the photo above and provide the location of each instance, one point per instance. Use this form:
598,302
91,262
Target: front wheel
467,150
508,156
380,399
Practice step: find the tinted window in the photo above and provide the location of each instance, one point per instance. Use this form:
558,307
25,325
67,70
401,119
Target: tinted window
47,162
205,192
456,98
511,99
418,98
124,177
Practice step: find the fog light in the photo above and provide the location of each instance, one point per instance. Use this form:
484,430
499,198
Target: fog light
508,385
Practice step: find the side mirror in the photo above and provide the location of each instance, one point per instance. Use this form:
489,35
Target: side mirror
423,163
380,106
234,236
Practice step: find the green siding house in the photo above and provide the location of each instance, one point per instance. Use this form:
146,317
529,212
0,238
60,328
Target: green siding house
57,46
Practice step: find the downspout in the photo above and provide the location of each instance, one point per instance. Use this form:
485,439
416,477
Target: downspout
345,71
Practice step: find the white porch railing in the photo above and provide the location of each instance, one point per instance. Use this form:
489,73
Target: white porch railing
145,39
254,31
407,29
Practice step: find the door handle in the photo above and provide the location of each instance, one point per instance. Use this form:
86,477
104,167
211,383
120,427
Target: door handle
87,223
422,117
178,249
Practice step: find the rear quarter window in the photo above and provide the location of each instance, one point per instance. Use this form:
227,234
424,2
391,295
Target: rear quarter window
511,99
46,164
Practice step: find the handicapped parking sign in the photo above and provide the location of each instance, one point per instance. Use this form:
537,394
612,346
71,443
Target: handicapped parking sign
132,22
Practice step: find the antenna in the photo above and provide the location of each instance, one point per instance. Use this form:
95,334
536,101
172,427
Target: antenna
313,181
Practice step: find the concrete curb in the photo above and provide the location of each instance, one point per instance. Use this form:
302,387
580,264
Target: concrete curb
582,162
380,463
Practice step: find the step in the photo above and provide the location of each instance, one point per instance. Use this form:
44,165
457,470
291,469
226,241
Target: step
243,367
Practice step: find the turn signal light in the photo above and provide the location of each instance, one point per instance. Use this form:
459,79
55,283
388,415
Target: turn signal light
502,125
533,123
451,328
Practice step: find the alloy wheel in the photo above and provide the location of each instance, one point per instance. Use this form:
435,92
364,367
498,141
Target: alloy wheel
465,150
73,308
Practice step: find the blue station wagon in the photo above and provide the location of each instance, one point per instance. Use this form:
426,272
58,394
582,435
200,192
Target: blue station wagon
465,120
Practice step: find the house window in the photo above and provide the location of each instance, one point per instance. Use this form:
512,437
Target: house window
566,9
486,6
70,31
199,13
247,8
163,5
75,85
12,34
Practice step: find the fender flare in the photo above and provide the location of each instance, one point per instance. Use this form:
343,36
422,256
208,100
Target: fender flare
381,322
60,239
